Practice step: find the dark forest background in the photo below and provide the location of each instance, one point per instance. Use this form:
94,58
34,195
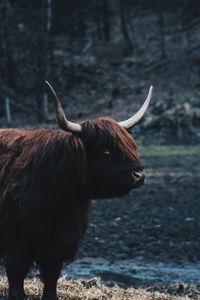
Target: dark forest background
101,56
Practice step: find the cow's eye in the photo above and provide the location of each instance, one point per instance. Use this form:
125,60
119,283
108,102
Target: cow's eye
106,152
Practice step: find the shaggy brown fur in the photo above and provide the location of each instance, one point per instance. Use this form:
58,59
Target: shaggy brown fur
47,178
107,132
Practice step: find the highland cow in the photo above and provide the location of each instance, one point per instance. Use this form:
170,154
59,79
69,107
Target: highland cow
47,178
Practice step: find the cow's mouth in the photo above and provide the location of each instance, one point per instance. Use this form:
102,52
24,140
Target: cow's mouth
122,190
119,188
132,184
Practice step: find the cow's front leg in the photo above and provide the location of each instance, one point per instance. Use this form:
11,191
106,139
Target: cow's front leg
50,272
17,266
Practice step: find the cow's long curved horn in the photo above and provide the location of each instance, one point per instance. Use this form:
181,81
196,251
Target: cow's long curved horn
138,116
60,115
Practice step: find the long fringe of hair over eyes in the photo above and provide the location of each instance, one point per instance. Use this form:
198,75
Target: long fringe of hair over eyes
107,131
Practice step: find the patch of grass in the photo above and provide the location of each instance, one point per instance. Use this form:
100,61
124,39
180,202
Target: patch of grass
87,290
163,150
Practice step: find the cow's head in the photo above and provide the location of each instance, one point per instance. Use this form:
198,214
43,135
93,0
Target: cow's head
113,167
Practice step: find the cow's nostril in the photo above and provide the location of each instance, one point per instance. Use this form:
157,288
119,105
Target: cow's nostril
137,175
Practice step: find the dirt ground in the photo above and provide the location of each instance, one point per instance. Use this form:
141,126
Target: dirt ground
159,221
156,223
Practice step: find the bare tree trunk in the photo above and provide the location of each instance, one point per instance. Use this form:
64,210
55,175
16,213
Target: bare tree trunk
161,31
45,107
98,20
8,110
124,28
80,19
43,61
49,57
106,20
49,15
9,48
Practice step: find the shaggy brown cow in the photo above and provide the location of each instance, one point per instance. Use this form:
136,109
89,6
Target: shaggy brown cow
47,178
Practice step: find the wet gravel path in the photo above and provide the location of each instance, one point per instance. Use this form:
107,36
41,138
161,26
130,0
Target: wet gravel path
156,224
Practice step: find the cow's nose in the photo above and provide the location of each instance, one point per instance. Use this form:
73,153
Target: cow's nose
138,176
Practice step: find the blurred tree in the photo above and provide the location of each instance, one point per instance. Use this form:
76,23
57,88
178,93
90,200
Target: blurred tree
106,20
8,45
187,16
43,55
38,34
125,31
97,20
160,13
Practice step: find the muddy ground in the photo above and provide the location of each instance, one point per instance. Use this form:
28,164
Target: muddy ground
158,223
